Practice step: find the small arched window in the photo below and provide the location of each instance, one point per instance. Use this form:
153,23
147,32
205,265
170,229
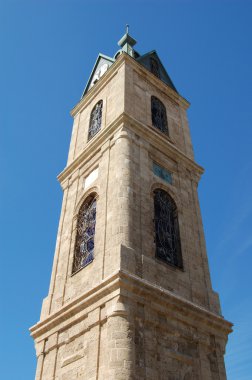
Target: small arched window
95,120
84,243
154,66
167,238
158,114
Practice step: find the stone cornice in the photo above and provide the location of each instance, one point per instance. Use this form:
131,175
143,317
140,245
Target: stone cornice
114,286
162,143
157,294
72,309
163,87
155,138
112,71
96,143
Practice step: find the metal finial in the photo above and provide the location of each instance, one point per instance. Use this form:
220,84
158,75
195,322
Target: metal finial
127,28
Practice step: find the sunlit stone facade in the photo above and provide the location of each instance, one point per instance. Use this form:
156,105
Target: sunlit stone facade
128,314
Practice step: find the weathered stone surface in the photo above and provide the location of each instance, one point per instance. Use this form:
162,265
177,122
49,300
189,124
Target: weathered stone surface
127,315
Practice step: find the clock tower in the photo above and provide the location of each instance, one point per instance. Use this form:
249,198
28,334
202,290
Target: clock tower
130,295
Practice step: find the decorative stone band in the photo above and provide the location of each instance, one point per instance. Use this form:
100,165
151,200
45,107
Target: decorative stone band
141,70
123,285
125,121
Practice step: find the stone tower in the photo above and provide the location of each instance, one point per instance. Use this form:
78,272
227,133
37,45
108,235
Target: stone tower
130,294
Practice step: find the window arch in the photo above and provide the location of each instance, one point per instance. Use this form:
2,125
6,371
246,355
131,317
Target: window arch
167,237
95,120
158,114
84,243
154,66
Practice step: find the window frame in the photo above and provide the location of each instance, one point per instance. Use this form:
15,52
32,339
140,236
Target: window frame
92,132
177,243
164,129
88,200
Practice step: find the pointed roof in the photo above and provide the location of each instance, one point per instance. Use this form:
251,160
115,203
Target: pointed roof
146,61
150,61
102,63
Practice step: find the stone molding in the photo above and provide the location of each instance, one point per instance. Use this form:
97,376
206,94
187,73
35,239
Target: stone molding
125,121
132,287
112,71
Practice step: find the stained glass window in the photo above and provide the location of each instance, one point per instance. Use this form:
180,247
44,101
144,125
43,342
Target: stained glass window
158,114
154,67
84,244
167,236
95,120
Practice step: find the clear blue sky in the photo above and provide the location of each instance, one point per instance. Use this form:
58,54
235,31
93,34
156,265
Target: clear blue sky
47,50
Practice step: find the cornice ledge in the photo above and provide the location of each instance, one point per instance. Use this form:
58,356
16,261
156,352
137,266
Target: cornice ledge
80,303
196,311
123,279
161,141
153,137
111,72
92,147
157,82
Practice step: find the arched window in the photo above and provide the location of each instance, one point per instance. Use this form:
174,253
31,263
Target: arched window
158,114
95,120
84,243
154,67
167,236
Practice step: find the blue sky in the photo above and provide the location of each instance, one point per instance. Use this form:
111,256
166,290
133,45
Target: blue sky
48,49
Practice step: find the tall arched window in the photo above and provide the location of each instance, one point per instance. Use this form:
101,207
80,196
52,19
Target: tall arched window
84,243
168,247
158,114
95,120
154,67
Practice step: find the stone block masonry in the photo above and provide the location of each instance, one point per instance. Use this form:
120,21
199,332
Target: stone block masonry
128,314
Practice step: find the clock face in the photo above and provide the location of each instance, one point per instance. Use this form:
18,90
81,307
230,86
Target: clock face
99,73
103,69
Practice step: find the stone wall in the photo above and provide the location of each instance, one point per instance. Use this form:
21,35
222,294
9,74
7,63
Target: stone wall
130,329
128,315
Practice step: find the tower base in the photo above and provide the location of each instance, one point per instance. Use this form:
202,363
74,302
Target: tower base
127,328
